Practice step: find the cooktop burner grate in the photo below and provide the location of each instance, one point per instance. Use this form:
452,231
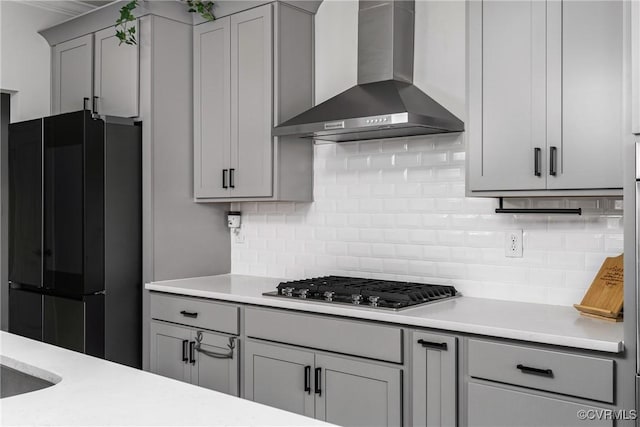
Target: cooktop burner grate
365,292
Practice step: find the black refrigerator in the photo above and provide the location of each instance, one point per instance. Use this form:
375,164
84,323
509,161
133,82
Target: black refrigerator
75,234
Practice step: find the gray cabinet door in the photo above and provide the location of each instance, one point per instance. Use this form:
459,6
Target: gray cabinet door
585,94
434,379
496,407
507,100
168,351
278,376
252,103
212,369
354,393
212,108
116,75
72,74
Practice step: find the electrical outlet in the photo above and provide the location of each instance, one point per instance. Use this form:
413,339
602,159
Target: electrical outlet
513,244
238,236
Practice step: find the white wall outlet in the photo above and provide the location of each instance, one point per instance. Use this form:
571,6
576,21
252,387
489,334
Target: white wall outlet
238,236
513,244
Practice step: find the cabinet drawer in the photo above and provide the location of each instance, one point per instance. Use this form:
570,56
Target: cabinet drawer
582,376
195,312
338,335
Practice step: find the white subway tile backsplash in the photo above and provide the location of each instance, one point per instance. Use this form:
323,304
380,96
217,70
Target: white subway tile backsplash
396,209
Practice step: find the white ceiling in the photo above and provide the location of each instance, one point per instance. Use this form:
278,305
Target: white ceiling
67,7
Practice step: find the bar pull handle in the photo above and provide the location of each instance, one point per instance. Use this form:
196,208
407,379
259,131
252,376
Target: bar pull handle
95,105
231,178
224,178
192,357
307,379
185,343
318,385
535,371
191,314
84,103
434,345
537,160
553,161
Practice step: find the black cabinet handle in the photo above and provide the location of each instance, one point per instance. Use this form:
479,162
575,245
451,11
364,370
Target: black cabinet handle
84,103
231,178
318,385
224,178
95,105
553,161
435,345
192,358
184,350
307,379
193,315
535,371
537,152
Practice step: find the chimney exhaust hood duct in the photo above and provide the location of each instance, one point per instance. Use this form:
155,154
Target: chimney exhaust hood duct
384,103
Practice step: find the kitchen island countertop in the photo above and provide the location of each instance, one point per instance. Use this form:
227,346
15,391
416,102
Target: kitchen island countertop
94,392
539,323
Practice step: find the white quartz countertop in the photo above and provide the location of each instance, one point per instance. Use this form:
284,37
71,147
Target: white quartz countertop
547,324
94,392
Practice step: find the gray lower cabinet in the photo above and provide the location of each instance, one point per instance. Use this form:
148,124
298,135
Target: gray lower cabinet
335,389
357,393
434,380
252,70
494,406
545,92
198,357
71,74
279,377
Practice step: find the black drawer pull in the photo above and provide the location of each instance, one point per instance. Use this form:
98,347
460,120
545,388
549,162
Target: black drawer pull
193,315
192,357
435,345
84,103
553,161
307,379
318,385
535,371
537,152
232,178
185,343
224,178
94,105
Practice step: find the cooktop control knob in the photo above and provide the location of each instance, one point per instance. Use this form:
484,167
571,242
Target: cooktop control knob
303,293
328,296
373,301
287,292
356,299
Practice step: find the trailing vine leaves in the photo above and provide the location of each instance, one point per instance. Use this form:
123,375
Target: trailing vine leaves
203,8
126,31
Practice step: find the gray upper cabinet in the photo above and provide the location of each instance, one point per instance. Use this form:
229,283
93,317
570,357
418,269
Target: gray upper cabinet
545,85
212,108
279,377
72,75
95,65
434,379
239,64
357,393
116,81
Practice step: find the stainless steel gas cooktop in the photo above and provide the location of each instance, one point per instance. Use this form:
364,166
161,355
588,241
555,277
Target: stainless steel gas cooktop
374,293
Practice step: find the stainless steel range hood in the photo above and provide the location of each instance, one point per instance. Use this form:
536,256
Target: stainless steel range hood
384,103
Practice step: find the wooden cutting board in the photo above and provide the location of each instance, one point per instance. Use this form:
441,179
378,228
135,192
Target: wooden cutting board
604,298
